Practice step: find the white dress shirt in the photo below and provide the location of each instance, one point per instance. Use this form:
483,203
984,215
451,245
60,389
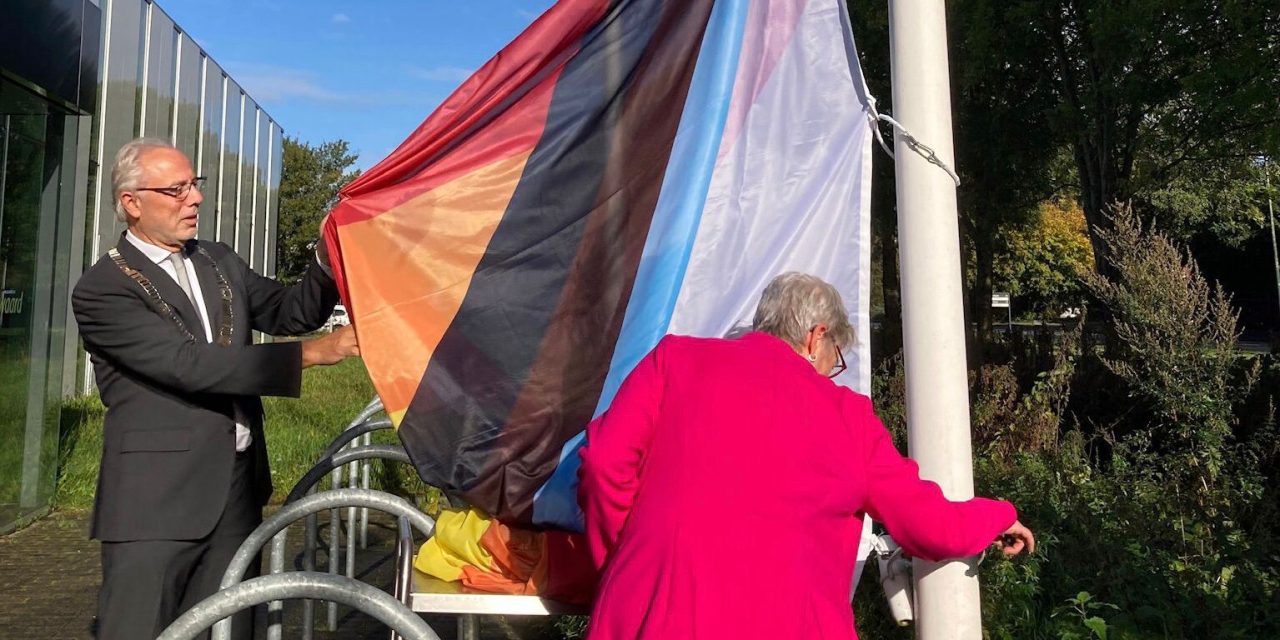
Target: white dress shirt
160,256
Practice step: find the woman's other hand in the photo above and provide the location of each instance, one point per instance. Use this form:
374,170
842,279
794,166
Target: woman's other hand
1015,539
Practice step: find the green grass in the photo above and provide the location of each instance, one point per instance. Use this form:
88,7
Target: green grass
298,430
79,449
14,371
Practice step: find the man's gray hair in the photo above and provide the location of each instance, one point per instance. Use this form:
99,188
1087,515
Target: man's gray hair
126,173
794,303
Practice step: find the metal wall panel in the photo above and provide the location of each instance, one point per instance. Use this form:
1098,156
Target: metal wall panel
229,183
139,74
209,156
158,83
186,120
273,197
117,124
261,204
248,166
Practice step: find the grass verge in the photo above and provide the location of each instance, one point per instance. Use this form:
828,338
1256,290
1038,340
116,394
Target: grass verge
298,430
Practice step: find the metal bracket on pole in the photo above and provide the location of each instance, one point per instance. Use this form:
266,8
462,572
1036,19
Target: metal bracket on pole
914,144
895,578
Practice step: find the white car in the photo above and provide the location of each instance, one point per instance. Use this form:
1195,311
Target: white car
338,319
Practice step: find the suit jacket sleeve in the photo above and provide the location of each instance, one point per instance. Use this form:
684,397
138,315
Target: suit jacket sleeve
617,443
914,510
283,310
118,324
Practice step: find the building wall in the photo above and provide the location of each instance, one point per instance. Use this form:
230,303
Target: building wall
158,82
78,79
48,70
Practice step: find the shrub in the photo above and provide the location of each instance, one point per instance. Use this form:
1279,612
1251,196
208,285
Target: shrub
1146,462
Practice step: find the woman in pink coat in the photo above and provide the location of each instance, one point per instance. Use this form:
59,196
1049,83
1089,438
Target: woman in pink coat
724,488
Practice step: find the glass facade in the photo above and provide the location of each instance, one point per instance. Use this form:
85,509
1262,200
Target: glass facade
47,89
78,79
159,83
37,162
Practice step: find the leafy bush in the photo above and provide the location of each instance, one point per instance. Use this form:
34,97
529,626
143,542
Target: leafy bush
1146,463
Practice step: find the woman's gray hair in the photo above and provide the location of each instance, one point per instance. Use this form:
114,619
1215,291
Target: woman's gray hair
126,172
794,303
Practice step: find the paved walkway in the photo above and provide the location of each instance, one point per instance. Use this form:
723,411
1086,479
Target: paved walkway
51,574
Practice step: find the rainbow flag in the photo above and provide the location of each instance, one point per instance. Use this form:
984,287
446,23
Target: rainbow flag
622,170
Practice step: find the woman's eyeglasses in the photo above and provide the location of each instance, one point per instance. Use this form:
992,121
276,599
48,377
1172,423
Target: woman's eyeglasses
840,365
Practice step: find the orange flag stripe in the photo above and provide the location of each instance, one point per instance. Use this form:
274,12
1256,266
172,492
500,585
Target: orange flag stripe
413,270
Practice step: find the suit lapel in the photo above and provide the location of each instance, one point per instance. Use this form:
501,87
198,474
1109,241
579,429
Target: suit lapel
209,289
165,286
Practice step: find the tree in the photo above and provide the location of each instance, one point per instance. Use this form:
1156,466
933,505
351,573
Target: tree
1006,150
871,25
1149,89
1163,103
1044,264
1176,350
309,185
1222,199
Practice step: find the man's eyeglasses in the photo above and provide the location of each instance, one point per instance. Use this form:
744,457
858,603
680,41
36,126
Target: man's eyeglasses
840,365
178,191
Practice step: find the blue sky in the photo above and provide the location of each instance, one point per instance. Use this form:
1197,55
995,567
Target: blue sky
365,71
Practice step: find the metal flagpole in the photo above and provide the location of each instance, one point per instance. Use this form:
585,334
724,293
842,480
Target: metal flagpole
947,600
1271,218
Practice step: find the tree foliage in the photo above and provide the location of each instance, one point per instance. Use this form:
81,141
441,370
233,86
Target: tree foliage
1005,146
1163,103
1223,200
1176,348
1043,264
1156,518
1149,89
1142,446
310,180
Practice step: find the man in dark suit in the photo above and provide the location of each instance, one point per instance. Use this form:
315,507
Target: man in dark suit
168,321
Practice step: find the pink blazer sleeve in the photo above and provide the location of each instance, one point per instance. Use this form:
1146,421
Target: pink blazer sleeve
918,516
617,442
